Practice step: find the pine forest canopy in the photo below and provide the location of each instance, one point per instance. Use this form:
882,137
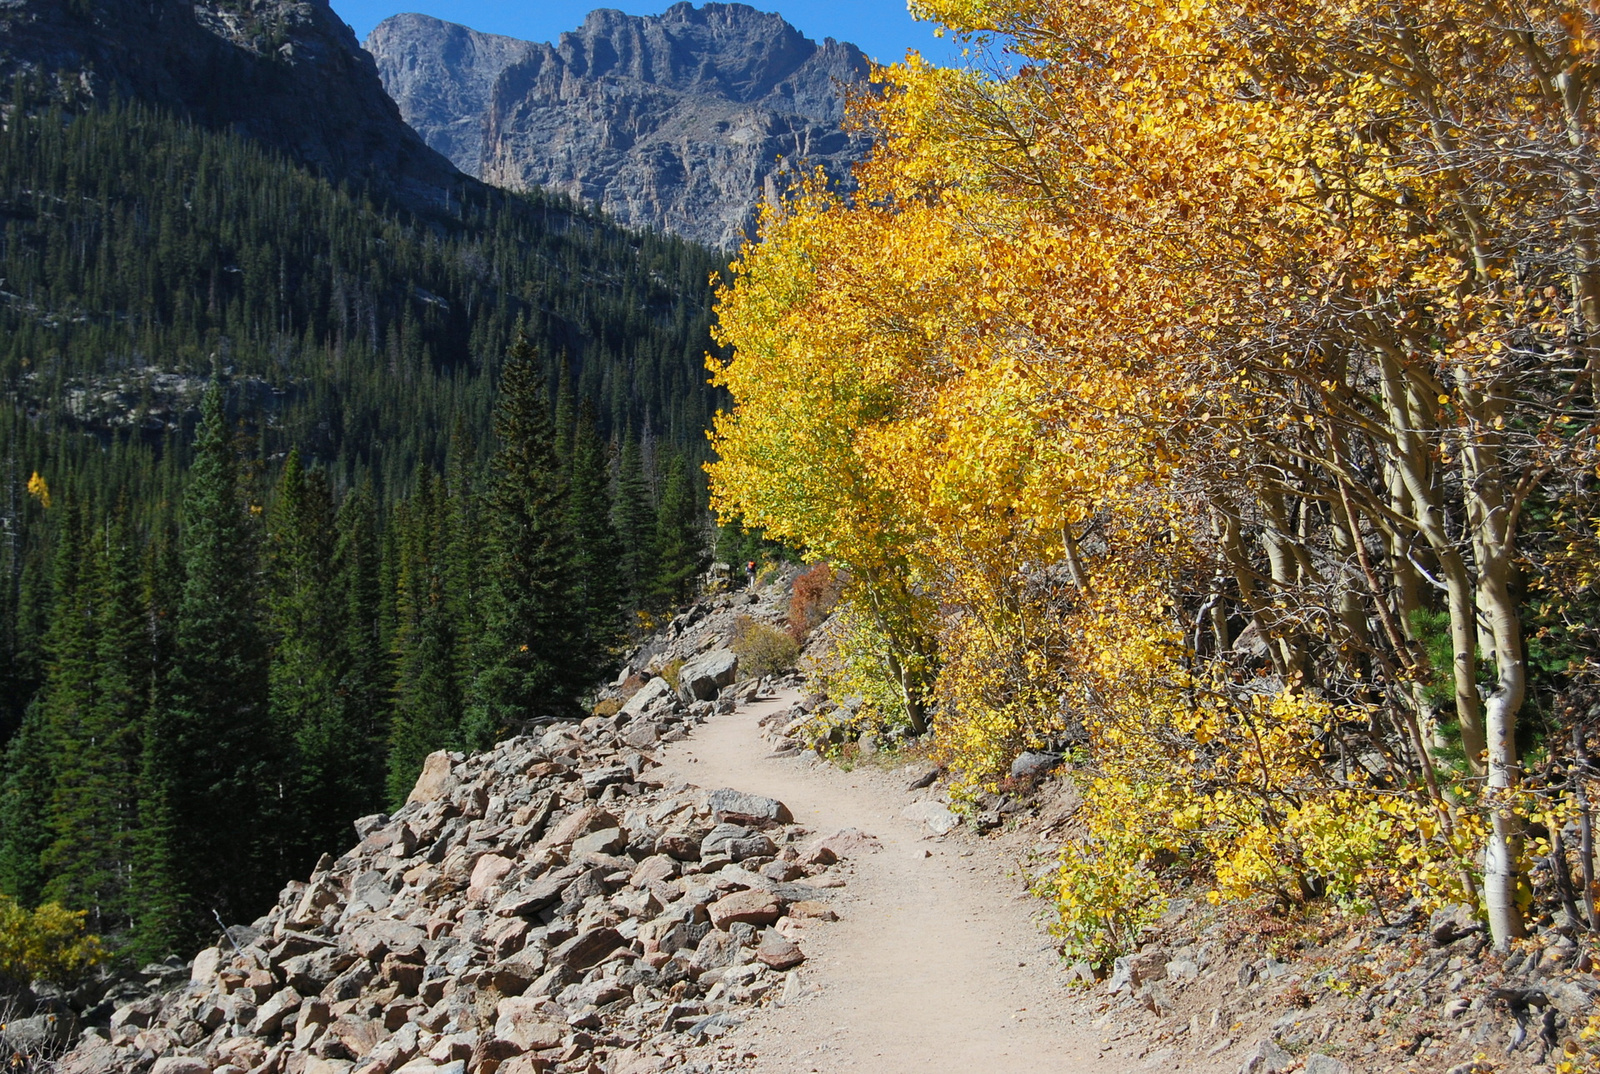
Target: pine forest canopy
262,440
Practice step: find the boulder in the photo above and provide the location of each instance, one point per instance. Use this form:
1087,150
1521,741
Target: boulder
737,807
522,1022
587,948
647,695
435,782
1267,1057
1030,765
753,907
936,815
778,951
702,678
487,873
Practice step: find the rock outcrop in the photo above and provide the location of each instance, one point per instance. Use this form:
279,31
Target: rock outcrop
681,121
288,73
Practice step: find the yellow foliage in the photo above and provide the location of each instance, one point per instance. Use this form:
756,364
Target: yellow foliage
1057,377
46,944
39,489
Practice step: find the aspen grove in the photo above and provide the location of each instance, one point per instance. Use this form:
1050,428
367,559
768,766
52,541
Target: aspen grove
1209,389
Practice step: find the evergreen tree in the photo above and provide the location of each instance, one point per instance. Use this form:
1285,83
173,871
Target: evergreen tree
680,538
155,897
214,741
634,515
92,818
529,656
428,693
365,688
308,665
597,589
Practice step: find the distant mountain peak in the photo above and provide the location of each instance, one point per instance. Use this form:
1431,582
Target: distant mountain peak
676,121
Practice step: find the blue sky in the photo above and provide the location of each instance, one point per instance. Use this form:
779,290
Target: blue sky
881,28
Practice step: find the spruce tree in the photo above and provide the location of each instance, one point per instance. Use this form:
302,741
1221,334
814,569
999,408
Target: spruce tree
215,747
309,661
680,538
597,589
366,685
635,523
529,656
92,814
428,690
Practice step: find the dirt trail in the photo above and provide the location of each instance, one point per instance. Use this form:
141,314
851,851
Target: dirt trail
935,964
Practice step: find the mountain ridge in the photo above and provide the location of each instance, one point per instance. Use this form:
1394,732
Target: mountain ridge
679,121
288,73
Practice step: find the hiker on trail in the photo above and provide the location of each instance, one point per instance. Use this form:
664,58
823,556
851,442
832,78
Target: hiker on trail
750,574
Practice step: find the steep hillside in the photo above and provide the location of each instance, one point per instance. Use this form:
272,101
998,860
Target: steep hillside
287,73
679,121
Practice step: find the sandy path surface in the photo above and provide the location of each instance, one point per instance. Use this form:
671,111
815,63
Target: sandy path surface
935,964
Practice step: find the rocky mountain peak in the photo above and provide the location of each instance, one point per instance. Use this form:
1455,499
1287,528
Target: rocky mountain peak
675,121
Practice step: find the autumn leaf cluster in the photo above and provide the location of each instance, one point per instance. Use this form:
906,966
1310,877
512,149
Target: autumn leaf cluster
1208,389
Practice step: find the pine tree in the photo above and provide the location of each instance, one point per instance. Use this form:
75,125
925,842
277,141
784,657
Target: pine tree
680,538
529,656
634,515
215,746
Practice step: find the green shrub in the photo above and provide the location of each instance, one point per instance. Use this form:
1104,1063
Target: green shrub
763,650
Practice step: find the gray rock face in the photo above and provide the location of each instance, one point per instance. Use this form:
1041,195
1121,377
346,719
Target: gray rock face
682,121
288,73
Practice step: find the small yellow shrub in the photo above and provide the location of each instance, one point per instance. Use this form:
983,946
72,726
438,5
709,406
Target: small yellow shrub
762,649
47,944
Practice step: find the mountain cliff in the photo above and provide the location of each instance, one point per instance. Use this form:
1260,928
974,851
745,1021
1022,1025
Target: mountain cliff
678,121
288,73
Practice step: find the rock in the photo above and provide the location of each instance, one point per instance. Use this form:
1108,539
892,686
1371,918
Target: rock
578,824
604,841
1574,997
487,873
1268,1057
1324,1064
933,814
587,948
1029,765
374,939
1452,923
736,807
714,951
523,1023
435,782
778,951
752,907
702,678
203,970
269,1017
648,694
181,1064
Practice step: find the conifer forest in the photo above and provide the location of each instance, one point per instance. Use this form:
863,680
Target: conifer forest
298,488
